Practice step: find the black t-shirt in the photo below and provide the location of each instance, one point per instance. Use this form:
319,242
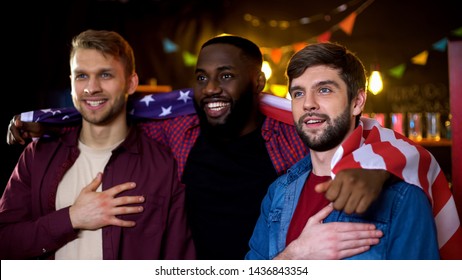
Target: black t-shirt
225,185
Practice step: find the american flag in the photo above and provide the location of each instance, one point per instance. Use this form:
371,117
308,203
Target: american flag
150,106
379,149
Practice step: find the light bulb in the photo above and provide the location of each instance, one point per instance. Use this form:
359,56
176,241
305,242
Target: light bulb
266,68
375,82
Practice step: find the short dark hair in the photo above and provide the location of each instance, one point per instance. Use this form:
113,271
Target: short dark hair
249,48
333,55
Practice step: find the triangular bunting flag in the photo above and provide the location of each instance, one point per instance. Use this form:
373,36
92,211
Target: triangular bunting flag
421,58
441,45
397,71
169,46
457,32
189,59
276,55
299,46
347,24
324,37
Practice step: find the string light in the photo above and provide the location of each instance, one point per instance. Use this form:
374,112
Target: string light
256,21
375,83
266,68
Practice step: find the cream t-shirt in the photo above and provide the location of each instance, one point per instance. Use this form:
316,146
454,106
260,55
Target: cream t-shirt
88,245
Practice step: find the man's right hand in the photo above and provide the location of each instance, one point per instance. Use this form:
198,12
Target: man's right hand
331,241
93,209
19,131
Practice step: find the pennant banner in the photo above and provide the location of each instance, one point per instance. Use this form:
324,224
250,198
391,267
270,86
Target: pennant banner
397,71
189,59
169,46
421,58
441,45
347,24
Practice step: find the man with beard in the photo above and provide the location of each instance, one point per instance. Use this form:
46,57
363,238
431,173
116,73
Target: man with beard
229,152
327,85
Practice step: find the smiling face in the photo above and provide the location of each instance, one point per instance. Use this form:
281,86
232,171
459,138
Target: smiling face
226,90
322,113
99,86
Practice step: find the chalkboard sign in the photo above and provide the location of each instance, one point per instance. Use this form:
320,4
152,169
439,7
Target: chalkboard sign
419,98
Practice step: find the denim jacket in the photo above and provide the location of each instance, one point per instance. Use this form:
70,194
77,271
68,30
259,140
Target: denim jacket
402,212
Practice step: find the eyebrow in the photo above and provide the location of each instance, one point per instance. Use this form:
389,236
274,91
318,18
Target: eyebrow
327,82
101,70
318,84
220,68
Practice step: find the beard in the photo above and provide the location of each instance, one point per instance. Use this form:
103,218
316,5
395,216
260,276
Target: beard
235,121
104,117
332,136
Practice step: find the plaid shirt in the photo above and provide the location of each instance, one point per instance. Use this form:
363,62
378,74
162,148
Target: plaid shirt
284,145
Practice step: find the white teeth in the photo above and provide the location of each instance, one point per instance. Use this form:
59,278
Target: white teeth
216,106
95,103
313,121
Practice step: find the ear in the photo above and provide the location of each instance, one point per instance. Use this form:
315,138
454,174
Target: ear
261,81
359,102
133,81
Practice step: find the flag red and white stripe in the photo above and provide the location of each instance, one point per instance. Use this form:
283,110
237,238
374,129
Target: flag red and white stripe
386,146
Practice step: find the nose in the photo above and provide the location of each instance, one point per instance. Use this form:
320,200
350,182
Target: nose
310,103
212,87
92,87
